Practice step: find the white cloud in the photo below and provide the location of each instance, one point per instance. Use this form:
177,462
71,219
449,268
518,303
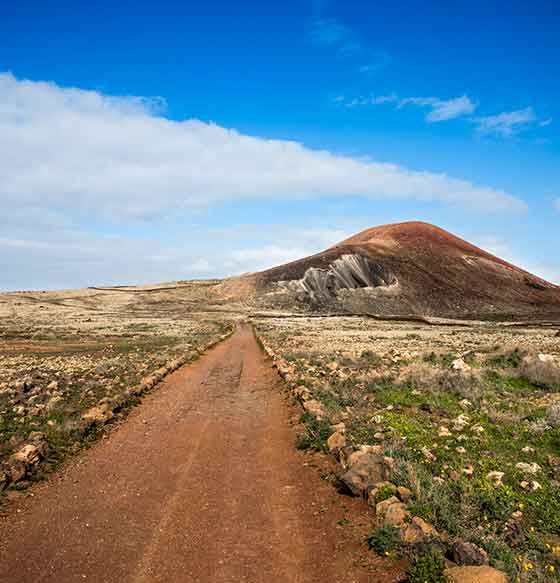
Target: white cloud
78,151
506,123
545,122
442,110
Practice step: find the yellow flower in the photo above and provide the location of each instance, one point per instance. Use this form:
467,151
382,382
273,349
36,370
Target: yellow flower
551,568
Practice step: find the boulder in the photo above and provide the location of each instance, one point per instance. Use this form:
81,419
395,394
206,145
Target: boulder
419,531
468,554
391,512
474,575
366,473
363,450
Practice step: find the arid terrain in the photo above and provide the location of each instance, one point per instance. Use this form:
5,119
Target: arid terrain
469,416
374,437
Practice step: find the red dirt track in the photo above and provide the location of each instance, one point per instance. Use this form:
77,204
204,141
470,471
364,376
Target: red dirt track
201,483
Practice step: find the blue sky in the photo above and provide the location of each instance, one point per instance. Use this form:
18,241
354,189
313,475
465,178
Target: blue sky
152,141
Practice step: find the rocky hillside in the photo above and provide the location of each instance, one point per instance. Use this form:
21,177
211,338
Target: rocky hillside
406,269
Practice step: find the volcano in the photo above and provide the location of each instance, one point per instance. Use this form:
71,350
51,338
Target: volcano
411,268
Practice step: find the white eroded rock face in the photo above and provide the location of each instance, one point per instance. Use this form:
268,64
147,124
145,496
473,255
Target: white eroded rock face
348,272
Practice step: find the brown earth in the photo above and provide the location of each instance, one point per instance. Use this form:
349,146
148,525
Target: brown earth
416,269
202,483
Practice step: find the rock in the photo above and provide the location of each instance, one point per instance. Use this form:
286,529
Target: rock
528,450
419,531
531,486
366,473
474,575
532,469
28,454
460,365
444,432
302,393
428,454
36,436
52,386
495,477
460,422
53,403
315,408
545,358
99,414
336,441
468,554
391,512
465,404
404,493
363,450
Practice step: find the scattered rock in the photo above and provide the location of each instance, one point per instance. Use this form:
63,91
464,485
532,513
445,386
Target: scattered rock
468,554
444,432
531,486
391,512
474,575
545,358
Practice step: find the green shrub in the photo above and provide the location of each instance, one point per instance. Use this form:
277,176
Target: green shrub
317,431
427,569
384,540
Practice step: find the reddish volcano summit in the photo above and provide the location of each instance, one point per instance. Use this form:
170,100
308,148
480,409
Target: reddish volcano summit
411,268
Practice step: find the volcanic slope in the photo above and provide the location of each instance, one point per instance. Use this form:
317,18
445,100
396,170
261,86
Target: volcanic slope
410,268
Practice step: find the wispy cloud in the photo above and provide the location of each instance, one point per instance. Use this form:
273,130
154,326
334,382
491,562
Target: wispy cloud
507,123
441,109
365,100
330,32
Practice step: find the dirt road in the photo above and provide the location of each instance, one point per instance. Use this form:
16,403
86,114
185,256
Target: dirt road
201,484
